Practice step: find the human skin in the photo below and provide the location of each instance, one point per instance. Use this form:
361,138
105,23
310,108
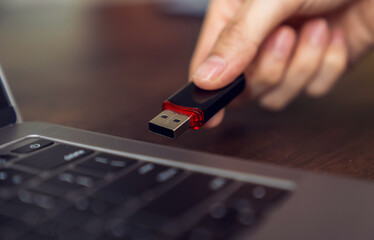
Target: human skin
284,47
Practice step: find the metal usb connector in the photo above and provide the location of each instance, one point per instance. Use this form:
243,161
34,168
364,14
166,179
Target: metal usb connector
170,124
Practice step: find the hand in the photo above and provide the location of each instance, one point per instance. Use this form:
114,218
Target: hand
280,59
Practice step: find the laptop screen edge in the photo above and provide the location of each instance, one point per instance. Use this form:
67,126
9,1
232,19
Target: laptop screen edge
9,114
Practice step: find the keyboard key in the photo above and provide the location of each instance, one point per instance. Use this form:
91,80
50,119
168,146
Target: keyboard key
50,229
32,207
73,217
103,164
199,234
11,228
177,201
13,208
224,222
241,211
139,233
57,231
4,219
68,181
35,236
31,147
118,229
84,210
13,177
134,184
5,158
76,234
259,197
41,200
93,206
96,225
55,157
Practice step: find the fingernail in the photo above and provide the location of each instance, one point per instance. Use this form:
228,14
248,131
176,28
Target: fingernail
210,68
317,32
282,44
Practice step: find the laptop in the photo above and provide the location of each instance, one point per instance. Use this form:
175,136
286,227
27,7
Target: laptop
59,183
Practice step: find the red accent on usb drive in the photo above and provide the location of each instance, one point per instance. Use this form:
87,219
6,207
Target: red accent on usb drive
197,116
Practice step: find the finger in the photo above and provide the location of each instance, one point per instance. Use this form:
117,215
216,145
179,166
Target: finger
219,13
305,63
333,66
239,41
215,120
272,61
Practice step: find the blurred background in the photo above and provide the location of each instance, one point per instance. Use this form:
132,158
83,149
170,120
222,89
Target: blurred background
107,65
58,53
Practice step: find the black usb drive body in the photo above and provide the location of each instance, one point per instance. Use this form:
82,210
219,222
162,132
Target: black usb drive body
191,107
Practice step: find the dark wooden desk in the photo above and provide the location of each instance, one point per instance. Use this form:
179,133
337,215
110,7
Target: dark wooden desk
108,68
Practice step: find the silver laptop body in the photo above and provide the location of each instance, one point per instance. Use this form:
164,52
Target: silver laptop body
316,206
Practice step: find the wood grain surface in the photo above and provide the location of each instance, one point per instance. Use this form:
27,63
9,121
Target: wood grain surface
108,67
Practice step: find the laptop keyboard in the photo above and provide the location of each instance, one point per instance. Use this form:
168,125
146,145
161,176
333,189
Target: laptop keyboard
54,191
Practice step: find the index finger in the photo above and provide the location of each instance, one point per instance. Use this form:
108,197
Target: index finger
219,14
239,41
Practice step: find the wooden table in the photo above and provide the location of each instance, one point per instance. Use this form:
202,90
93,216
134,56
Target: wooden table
108,67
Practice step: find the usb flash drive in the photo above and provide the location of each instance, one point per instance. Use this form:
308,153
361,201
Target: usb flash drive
191,107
